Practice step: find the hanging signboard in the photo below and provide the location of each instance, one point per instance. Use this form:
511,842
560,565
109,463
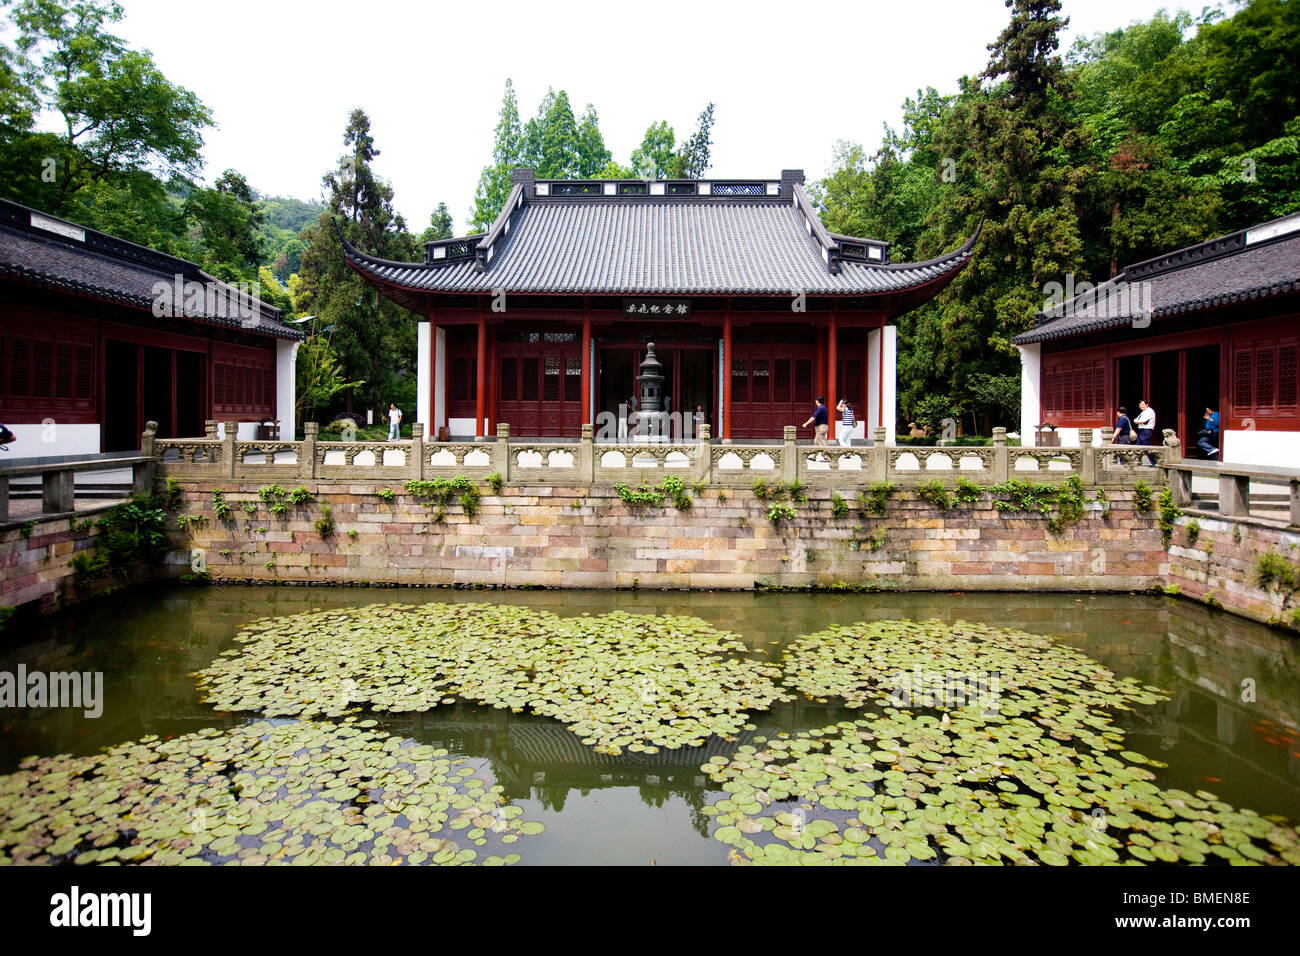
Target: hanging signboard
657,308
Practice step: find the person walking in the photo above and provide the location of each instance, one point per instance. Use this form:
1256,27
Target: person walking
847,422
819,420
394,422
1124,433
1145,424
1208,436
699,418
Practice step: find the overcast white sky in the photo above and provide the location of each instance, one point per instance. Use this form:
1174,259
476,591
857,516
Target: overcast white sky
788,80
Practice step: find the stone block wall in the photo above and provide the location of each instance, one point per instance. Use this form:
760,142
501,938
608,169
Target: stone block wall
588,537
1216,562
35,568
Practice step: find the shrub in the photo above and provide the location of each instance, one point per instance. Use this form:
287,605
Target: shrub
967,492
839,507
325,523
300,495
385,494
873,502
1142,498
935,493
760,489
779,511
495,482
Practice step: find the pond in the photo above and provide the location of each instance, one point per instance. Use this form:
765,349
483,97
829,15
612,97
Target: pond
1228,727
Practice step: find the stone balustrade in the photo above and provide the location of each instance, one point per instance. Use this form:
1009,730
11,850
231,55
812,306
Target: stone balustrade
1235,500
542,462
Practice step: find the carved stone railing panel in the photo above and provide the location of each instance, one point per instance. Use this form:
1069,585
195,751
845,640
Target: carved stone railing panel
747,455
191,451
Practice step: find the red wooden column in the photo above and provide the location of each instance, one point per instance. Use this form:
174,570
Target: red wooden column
480,398
586,362
831,335
726,371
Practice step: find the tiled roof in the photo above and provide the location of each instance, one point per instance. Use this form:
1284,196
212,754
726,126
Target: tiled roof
51,252
1251,264
659,247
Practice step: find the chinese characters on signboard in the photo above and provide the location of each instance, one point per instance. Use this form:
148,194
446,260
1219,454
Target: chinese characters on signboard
657,308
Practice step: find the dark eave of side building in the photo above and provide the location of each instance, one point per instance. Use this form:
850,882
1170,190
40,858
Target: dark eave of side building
670,238
45,251
1258,263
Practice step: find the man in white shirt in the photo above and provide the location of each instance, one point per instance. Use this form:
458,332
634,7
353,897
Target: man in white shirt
1145,424
394,422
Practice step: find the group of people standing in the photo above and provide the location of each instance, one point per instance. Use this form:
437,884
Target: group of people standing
1142,430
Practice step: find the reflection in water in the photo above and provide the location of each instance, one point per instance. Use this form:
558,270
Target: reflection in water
1230,727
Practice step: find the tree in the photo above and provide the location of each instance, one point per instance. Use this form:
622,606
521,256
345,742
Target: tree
507,153
593,157
229,223
440,225
119,113
374,338
558,158
653,158
692,161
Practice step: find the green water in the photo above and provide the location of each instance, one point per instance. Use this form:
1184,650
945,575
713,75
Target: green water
635,808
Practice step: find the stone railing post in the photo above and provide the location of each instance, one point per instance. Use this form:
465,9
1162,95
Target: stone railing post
1087,457
147,440
1001,457
307,450
233,464
210,428
704,454
789,457
1173,446
1234,496
500,453
58,491
876,457
587,455
1180,485
416,456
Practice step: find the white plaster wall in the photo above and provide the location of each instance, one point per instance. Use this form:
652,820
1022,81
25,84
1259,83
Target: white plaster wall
1276,448
286,387
423,373
461,427
1031,363
47,441
439,377
889,418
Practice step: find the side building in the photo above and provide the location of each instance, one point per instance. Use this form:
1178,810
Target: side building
99,335
1213,325
754,308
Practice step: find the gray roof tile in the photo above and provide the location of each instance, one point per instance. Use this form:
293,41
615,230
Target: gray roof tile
659,247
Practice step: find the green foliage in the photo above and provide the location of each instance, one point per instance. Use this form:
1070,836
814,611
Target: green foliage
130,535
300,495
1273,572
352,533
250,508
1061,504
27,528
778,512
495,482
438,491
187,523
760,489
1193,529
1143,501
795,489
76,524
877,540
967,492
386,494
872,503
839,507
1169,515
220,507
935,493
325,523
646,495
174,497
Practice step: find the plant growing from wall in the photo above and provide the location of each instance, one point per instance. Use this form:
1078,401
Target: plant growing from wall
760,489
76,525
935,493
1142,498
1060,504
250,508
778,512
1169,515
1273,572
27,528
352,534
967,492
300,495
438,491
1193,529
878,539
325,523
644,496
795,489
495,482
675,488
385,494
220,507
131,534
839,507
872,503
